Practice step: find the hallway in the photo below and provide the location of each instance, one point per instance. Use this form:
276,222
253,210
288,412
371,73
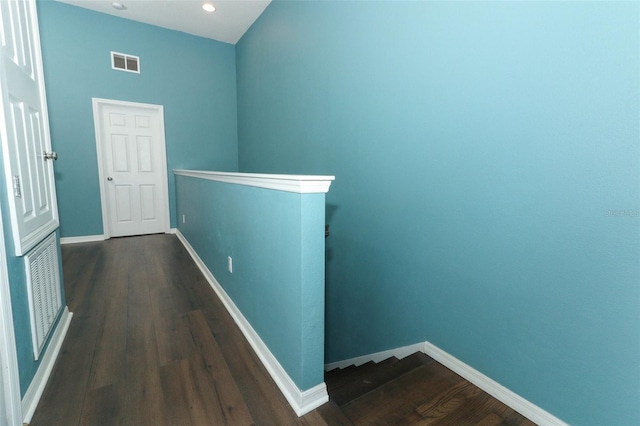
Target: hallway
151,344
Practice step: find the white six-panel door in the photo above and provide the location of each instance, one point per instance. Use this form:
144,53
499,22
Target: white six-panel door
24,127
31,198
133,167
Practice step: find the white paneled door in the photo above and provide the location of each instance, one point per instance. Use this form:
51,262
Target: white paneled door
133,167
24,127
28,166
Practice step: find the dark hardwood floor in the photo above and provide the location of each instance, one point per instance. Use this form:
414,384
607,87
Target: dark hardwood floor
151,344
415,390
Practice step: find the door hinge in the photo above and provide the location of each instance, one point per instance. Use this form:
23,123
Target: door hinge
16,187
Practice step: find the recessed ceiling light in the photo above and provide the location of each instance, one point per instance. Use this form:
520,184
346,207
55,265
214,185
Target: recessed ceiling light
208,7
118,6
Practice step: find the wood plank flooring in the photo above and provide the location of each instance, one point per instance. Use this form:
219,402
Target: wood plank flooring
415,391
151,344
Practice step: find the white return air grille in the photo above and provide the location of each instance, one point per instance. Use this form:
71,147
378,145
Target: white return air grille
125,62
43,287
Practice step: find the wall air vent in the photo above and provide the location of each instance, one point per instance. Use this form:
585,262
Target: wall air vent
124,62
43,290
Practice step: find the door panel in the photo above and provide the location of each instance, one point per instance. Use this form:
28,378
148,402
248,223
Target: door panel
120,153
123,204
148,202
133,167
24,128
145,159
117,120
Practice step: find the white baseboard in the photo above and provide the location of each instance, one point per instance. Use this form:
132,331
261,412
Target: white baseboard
81,239
301,401
34,392
94,238
377,357
490,386
493,388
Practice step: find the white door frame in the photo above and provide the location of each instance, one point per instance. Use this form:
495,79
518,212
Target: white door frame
98,104
8,355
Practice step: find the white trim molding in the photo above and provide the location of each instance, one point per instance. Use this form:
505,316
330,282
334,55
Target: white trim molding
301,184
399,353
82,239
9,379
302,402
490,386
94,238
493,388
34,392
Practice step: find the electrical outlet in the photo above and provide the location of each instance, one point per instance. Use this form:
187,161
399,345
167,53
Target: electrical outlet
184,219
230,264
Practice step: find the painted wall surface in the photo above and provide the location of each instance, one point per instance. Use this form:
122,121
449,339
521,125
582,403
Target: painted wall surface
276,241
487,198
192,77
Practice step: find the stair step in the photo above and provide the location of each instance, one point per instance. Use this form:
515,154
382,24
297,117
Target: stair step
338,372
395,402
428,395
364,380
333,415
339,377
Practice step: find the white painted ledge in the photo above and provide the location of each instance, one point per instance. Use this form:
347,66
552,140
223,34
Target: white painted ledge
301,184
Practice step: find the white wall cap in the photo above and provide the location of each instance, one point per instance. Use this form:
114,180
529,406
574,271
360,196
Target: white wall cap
301,184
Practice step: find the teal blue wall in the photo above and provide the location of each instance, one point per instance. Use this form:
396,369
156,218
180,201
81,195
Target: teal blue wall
487,182
27,367
192,77
276,241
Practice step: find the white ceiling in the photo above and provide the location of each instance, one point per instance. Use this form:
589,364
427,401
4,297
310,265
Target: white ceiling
231,19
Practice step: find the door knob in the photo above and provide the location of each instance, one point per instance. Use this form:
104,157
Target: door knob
51,155
109,178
